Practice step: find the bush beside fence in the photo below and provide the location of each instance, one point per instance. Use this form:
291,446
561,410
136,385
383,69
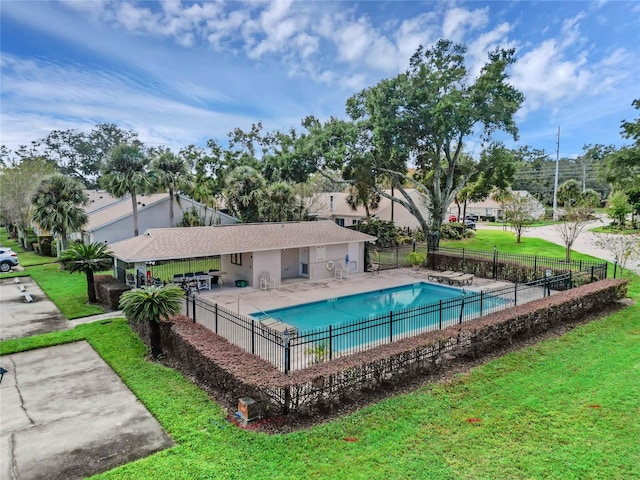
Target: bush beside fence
234,373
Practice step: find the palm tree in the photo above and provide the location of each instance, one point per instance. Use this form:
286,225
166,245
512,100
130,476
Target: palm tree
57,206
171,173
89,259
280,203
126,172
362,194
152,304
245,193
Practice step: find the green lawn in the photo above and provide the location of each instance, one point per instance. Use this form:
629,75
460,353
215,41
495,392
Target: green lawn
563,409
506,242
67,291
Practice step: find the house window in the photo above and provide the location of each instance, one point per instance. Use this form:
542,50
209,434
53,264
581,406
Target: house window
236,258
340,221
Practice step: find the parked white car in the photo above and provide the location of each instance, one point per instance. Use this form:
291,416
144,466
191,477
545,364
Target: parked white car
8,259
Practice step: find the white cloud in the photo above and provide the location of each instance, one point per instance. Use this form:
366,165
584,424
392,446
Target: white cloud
459,21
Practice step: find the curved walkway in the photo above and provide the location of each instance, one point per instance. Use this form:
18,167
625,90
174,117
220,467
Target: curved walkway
585,243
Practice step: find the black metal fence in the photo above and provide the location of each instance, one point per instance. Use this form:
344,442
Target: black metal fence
487,264
538,263
297,350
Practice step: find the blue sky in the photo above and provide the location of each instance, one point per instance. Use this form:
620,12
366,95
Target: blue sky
181,72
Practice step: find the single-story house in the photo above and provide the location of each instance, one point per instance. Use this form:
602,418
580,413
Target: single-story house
334,206
111,218
490,209
312,250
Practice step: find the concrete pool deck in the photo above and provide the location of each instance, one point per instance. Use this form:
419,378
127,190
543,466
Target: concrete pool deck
296,291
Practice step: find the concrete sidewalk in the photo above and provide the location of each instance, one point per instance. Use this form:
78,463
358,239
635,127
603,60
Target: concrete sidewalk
19,319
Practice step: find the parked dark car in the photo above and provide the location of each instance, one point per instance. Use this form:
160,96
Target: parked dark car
8,259
475,218
469,223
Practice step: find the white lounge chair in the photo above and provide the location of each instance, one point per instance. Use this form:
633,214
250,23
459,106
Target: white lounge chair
266,282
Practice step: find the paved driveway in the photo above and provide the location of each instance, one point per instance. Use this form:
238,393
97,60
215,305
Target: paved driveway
64,414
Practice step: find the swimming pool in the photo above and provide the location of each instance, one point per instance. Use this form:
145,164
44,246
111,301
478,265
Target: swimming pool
417,306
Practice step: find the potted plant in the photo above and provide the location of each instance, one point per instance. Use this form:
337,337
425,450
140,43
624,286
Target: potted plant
416,259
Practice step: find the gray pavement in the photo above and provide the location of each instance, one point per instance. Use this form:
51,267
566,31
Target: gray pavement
20,319
64,413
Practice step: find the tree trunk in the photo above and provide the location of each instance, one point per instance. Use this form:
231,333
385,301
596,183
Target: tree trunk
91,288
155,337
134,204
171,207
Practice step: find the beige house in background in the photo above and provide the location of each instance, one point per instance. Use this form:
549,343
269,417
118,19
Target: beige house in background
334,207
311,250
490,208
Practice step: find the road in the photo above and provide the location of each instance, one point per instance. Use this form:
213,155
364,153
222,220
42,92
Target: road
585,243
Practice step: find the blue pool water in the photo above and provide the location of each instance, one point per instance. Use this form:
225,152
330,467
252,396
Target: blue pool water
340,310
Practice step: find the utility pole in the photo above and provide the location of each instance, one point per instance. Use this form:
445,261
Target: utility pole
555,184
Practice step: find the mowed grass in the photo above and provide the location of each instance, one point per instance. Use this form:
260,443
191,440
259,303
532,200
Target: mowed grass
566,408
68,291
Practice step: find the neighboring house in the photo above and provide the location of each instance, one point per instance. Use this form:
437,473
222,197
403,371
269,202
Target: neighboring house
111,219
334,207
310,250
489,209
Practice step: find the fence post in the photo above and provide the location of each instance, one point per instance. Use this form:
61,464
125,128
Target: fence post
535,266
253,336
481,302
286,337
515,293
193,304
186,304
462,268
606,268
216,321
330,342
461,309
592,277
390,327
440,322
580,265
495,259
615,268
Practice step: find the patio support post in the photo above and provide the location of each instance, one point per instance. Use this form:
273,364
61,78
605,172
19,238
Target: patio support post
193,303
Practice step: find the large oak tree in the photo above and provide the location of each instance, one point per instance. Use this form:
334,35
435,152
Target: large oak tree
423,117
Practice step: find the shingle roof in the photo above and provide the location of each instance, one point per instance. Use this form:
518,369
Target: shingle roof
120,208
193,242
